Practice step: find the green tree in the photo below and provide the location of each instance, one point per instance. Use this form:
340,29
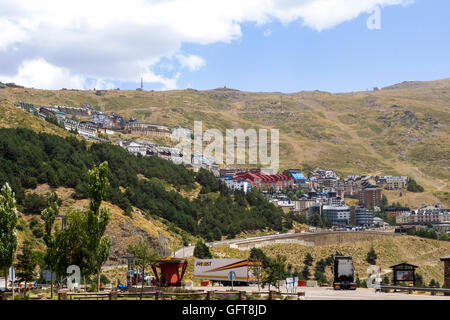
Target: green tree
257,272
358,281
434,284
98,219
8,223
49,215
308,259
320,277
34,203
144,256
275,271
268,277
26,264
70,244
257,254
306,273
278,268
185,238
413,186
371,256
384,202
419,281
386,280
321,265
201,250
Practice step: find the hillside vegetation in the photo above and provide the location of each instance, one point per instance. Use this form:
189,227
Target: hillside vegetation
28,159
123,230
425,253
402,129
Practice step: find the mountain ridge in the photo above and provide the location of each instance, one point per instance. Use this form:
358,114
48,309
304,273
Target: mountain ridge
403,130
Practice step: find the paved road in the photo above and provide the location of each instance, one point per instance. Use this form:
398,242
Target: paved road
322,293
185,252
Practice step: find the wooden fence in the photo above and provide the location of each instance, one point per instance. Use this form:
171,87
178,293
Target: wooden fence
167,295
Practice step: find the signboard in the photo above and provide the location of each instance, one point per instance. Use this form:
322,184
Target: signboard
291,283
12,273
404,275
47,274
12,276
231,277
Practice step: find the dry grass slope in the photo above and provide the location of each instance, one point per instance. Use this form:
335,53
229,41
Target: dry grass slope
424,253
403,129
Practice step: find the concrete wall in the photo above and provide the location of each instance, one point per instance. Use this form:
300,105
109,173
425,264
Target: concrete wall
316,239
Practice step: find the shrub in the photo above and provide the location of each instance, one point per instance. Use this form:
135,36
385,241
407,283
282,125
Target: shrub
34,203
413,186
201,251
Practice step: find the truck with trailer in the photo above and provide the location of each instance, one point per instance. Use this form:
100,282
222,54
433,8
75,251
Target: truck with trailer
219,270
344,273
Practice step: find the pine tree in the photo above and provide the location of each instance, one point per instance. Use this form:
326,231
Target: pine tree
306,273
371,256
8,223
434,284
201,250
384,202
308,259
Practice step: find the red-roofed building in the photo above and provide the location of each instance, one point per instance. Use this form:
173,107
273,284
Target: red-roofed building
266,181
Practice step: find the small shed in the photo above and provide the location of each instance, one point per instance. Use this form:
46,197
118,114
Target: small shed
404,272
446,261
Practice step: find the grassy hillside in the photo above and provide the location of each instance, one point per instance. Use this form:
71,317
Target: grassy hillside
13,117
145,194
402,129
424,253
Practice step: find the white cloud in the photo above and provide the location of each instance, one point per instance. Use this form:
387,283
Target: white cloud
192,62
10,33
168,83
39,73
118,41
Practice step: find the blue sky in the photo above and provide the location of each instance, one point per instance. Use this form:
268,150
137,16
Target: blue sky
252,45
412,44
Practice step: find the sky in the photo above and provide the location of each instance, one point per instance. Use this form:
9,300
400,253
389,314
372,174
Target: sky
253,45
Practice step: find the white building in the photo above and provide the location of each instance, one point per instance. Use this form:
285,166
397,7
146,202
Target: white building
136,148
425,215
337,215
242,185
